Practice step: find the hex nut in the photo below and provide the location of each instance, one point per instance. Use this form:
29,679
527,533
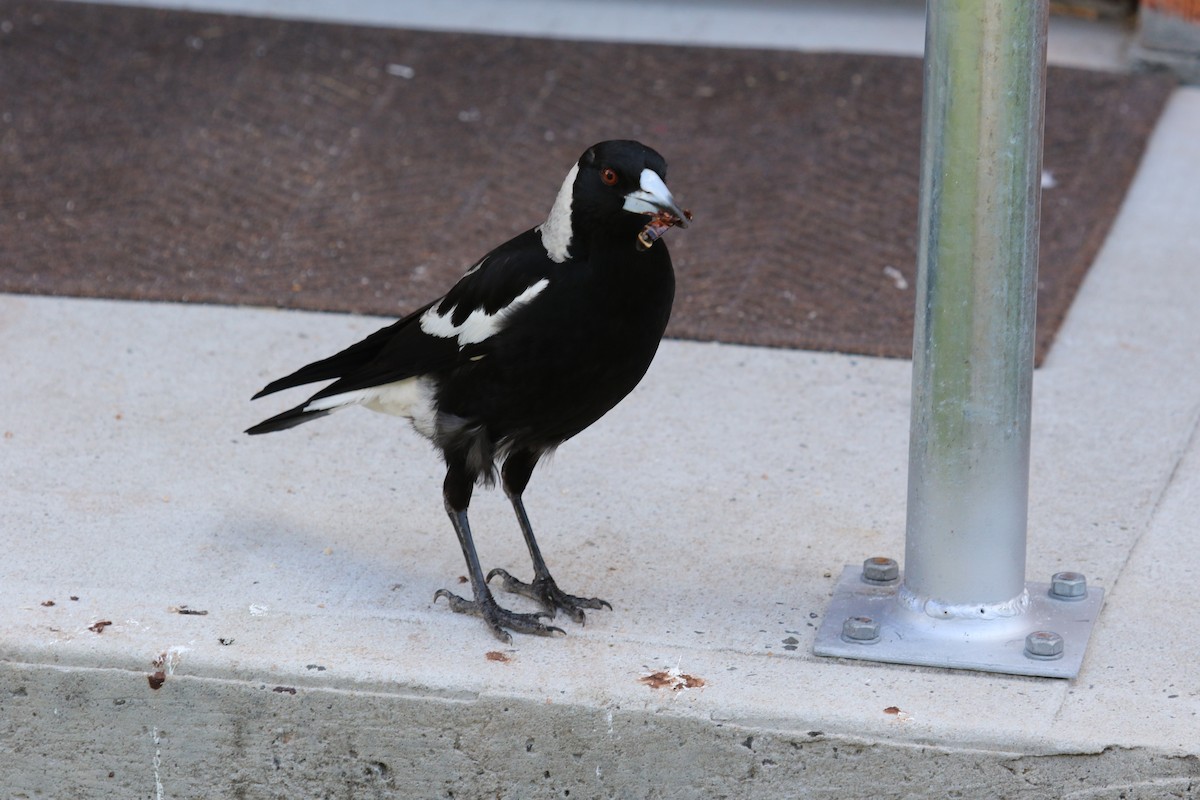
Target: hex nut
1044,645
860,630
1068,586
880,570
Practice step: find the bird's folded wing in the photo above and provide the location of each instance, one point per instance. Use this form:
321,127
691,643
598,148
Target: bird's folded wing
354,358
440,335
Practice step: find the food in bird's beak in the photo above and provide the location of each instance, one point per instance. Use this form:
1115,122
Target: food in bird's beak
659,224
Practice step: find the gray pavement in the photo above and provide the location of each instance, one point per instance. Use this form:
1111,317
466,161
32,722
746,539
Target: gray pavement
714,509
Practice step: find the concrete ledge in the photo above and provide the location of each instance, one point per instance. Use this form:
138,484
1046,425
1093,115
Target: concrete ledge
203,737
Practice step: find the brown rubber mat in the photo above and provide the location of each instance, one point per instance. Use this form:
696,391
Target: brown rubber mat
174,156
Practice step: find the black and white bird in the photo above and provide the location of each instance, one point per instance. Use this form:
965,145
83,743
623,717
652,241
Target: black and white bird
538,340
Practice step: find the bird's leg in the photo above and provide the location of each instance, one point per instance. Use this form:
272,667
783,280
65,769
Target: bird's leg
543,588
515,475
457,494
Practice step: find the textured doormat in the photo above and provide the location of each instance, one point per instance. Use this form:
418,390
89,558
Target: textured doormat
191,157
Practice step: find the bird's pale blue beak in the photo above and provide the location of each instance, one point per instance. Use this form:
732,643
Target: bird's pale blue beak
653,197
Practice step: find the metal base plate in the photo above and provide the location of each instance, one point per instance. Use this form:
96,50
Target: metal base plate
994,645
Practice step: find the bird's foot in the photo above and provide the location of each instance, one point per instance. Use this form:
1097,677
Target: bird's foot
544,590
499,619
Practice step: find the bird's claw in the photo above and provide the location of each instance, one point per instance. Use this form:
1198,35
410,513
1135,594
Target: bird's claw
544,590
499,619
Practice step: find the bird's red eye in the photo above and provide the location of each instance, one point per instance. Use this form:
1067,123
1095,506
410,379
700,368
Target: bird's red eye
609,176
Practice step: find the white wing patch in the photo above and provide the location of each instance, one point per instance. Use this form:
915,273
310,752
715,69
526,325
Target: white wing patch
556,230
479,325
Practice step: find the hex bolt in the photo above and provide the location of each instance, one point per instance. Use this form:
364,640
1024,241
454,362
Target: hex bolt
1044,645
1068,586
860,630
880,570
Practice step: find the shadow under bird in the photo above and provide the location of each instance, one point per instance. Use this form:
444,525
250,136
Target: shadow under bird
538,340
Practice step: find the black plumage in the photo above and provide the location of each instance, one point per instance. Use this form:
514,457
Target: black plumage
539,339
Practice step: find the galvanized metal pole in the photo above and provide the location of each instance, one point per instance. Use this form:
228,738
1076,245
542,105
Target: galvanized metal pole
963,601
981,165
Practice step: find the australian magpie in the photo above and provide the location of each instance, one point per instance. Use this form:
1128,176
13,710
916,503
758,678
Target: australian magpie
538,340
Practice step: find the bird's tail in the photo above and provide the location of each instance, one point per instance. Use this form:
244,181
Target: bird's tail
288,419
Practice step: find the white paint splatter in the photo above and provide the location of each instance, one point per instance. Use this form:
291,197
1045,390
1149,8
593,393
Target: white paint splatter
173,656
158,786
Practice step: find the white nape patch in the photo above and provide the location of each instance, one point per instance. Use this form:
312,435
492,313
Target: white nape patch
556,230
411,398
479,325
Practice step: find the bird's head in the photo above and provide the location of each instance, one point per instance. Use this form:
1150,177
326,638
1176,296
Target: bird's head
616,188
